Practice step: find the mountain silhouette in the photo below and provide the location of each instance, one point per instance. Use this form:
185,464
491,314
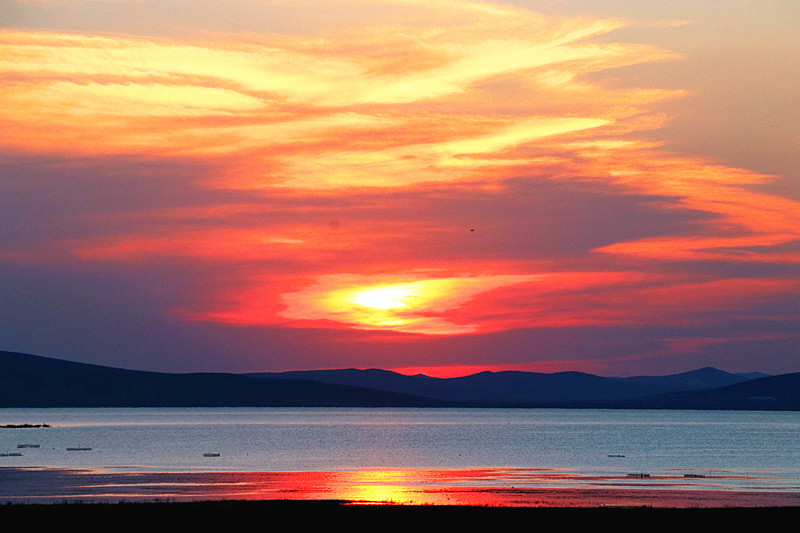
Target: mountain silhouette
34,381
521,389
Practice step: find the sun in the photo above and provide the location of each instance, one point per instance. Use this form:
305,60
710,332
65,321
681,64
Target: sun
417,304
386,297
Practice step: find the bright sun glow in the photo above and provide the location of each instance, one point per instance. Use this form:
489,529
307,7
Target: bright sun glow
414,306
391,297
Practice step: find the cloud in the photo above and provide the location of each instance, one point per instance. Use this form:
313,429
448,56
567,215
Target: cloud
429,170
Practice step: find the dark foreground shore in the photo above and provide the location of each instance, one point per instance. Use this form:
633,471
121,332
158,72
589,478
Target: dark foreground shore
329,511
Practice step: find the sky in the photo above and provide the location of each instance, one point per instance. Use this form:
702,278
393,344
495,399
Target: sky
439,187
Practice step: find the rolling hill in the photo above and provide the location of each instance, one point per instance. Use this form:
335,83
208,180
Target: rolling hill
33,381
521,389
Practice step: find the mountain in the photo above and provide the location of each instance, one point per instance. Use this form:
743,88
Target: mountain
768,393
33,381
520,389
702,378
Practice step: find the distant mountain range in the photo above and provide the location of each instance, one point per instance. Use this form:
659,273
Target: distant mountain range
33,381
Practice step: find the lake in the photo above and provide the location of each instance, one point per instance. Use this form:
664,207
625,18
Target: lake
546,448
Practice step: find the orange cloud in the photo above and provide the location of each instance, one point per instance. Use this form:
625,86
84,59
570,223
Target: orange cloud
464,95
272,95
410,305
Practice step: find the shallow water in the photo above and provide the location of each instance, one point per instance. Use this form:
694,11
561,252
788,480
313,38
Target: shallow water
543,447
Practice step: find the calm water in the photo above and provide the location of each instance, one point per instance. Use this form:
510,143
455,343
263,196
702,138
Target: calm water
749,449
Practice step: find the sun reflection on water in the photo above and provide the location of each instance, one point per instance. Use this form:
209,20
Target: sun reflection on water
472,486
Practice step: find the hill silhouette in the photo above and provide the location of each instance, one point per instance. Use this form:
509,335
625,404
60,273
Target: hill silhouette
34,381
522,389
775,393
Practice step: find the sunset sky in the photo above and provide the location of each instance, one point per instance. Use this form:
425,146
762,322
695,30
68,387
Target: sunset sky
434,186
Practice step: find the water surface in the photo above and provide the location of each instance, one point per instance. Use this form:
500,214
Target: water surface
458,447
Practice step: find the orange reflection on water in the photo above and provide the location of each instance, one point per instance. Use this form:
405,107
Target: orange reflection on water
395,486
405,487
488,487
